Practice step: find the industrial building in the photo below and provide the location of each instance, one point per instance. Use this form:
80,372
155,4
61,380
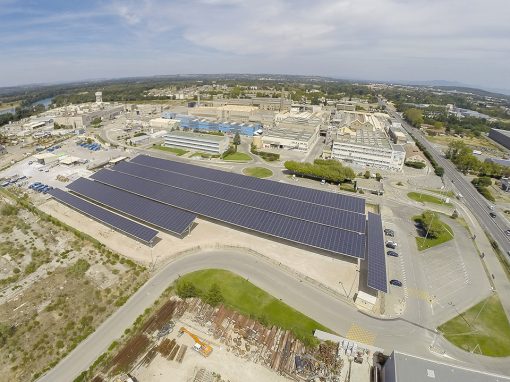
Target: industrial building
500,136
398,134
163,123
208,143
294,131
368,147
80,116
277,138
187,122
262,103
405,367
140,140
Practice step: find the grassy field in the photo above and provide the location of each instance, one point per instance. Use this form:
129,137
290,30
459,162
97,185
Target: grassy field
425,243
258,172
424,198
172,150
484,327
473,142
449,194
238,156
205,155
248,299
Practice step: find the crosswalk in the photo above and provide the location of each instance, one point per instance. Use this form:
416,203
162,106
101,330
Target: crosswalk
360,334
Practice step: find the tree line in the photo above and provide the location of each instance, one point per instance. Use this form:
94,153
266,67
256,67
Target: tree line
328,169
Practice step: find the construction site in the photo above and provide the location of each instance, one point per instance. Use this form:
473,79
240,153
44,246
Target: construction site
189,340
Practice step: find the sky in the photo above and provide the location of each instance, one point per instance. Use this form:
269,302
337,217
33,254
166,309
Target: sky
48,41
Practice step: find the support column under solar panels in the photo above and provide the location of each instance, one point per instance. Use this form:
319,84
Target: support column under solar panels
159,215
119,223
376,258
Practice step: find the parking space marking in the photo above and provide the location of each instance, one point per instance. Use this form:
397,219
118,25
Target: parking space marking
359,334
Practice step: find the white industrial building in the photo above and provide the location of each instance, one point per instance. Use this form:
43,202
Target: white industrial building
208,143
369,147
164,123
276,138
298,131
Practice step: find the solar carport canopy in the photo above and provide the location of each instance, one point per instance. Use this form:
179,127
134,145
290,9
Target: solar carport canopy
300,231
148,211
347,220
376,258
119,223
329,199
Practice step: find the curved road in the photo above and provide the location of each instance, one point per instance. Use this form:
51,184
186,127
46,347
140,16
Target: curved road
398,334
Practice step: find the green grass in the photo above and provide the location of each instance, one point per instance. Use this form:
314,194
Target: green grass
424,198
258,172
172,150
490,330
246,298
449,194
205,155
426,243
238,156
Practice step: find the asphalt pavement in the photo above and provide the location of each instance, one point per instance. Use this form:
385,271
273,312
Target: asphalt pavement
401,334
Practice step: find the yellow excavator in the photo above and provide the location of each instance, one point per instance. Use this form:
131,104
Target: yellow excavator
200,346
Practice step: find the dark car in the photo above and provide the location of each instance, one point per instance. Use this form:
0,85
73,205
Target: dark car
507,232
492,215
396,283
392,253
389,232
391,244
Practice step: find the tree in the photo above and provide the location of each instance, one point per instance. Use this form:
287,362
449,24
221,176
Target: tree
431,224
378,176
414,116
186,289
366,175
439,171
214,296
237,140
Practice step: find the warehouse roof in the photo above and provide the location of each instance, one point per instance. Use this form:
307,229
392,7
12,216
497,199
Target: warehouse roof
417,369
189,134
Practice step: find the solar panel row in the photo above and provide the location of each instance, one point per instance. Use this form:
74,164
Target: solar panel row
293,208
129,227
329,199
159,215
300,231
376,259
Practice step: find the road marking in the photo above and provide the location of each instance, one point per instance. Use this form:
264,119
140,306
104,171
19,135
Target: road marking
359,334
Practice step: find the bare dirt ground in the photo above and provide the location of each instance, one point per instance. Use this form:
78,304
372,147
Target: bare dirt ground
206,235
55,289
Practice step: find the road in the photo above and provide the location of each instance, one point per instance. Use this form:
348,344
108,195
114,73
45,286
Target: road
305,297
476,203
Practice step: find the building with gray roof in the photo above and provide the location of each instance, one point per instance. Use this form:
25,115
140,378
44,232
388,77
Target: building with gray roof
401,367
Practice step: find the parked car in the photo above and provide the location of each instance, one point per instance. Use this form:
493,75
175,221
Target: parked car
392,253
507,232
396,283
391,244
492,215
389,232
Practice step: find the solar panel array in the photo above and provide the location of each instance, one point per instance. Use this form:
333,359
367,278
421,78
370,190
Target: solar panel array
293,208
376,257
159,215
300,231
329,199
129,227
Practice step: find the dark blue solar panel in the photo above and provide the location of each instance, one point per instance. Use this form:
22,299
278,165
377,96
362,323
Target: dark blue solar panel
293,208
329,199
376,258
299,231
106,217
159,215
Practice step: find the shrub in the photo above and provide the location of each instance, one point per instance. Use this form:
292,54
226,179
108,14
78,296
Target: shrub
418,165
187,289
80,267
214,296
330,170
8,210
